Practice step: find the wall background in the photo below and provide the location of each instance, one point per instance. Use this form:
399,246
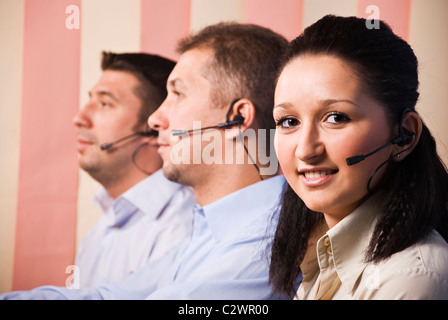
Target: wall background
47,69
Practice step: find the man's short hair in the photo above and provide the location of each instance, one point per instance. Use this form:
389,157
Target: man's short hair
244,65
152,71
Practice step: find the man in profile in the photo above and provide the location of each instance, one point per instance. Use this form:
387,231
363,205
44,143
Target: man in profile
224,79
145,215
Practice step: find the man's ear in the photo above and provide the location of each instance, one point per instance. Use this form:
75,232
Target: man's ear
242,109
411,123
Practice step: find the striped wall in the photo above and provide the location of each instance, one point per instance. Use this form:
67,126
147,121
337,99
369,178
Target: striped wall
48,65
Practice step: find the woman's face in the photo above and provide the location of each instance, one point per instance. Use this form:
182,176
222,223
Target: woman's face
324,115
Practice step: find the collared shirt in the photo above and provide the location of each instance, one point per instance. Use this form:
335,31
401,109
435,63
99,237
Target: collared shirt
226,257
335,268
144,224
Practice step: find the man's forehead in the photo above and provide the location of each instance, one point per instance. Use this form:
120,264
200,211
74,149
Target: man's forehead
117,79
117,76
176,82
193,62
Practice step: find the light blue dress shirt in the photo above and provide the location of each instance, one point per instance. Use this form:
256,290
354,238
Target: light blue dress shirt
145,223
227,256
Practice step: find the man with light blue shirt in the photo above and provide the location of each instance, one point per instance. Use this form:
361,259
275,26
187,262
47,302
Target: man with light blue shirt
143,225
228,254
145,215
224,79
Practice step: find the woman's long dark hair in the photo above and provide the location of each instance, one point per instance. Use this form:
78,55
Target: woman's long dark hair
416,189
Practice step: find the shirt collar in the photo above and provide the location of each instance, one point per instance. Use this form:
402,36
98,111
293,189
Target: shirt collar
350,239
244,206
310,265
150,195
103,200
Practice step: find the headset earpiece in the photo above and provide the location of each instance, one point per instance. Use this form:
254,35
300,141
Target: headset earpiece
404,138
239,119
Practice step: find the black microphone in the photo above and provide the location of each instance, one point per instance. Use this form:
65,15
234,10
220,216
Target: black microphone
239,119
400,140
147,133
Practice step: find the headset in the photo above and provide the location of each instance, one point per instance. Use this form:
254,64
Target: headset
401,140
237,121
146,133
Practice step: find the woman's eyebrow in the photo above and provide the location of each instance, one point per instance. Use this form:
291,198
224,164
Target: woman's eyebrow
284,105
325,103
329,102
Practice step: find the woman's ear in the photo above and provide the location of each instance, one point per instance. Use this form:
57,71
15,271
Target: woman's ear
411,126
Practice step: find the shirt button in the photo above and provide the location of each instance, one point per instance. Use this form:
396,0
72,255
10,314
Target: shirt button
327,243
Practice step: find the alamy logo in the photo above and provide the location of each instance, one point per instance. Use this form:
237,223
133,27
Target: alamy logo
73,20
72,281
373,277
373,21
213,146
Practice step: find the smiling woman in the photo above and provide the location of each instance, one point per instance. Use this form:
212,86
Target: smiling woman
329,108
346,90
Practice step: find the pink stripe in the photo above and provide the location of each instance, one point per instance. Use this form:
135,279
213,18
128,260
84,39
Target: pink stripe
46,217
282,16
163,24
396,13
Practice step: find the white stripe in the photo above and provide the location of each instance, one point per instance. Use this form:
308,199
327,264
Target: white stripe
11,32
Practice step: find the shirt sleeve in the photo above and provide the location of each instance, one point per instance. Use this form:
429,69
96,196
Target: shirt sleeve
250,282
52,293
236,289
136,286
132,288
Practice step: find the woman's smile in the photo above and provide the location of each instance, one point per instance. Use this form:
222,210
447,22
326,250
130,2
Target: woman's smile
313,178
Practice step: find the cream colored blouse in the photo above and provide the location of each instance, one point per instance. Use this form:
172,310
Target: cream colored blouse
334,267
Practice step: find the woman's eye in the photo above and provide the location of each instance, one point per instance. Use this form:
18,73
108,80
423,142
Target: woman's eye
287,122
337,118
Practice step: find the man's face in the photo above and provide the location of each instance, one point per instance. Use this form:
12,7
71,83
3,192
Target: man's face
188,101
110,114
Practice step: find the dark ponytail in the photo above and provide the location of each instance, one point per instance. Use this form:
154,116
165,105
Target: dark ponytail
294,227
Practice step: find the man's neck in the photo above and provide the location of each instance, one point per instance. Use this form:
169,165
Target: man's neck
120,186
226,181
